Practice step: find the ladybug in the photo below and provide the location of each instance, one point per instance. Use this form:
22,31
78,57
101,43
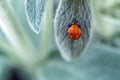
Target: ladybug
74,31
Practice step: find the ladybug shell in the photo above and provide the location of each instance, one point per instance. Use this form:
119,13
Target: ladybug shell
74,31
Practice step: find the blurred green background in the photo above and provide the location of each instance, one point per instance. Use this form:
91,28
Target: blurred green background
25,55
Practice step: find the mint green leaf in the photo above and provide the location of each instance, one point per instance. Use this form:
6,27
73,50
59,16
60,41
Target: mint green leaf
34,10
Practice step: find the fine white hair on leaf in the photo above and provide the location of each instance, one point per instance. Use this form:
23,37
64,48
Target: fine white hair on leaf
69,11
34,10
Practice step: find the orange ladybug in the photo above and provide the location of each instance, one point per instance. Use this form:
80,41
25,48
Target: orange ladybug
74,31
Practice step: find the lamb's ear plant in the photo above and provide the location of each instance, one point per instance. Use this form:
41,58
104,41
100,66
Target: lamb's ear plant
14,33
72,29
40,15
34,10
73,13
69,12
18,46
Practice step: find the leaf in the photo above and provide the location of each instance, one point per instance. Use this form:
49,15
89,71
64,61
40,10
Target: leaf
72,11
34,10
100,62
14,34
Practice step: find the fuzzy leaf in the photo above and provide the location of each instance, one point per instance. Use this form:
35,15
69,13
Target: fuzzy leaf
34,10
70,11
